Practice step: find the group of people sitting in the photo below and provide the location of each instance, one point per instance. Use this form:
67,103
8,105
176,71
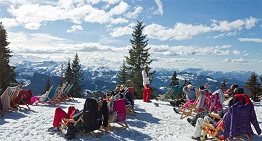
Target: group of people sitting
104,106
206,107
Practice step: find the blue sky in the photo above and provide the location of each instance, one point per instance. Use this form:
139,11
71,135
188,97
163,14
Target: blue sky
219,35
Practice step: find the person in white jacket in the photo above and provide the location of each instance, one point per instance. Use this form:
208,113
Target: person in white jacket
146,82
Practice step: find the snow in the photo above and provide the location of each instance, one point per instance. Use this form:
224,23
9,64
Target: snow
150,123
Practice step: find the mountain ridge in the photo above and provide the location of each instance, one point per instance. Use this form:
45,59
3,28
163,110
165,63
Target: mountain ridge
35,75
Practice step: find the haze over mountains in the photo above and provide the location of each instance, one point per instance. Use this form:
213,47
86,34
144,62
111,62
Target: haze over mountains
35,74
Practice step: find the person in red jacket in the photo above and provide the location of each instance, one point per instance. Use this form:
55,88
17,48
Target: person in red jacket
59,115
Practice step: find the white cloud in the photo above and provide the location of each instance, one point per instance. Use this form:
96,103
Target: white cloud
32,25
251,22
119,21
160,8
179,32
9,22
227,26
183,31
221,52
226,34
236,52
75,28
120,31
256,40
245,53
234,25
241,61
66,4
97,16
224,46
40,47
133,15
232,33
32,15
165,50
4,2
105,40
119,9
226,61
109,2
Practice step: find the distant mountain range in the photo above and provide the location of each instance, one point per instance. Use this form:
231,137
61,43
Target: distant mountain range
35,74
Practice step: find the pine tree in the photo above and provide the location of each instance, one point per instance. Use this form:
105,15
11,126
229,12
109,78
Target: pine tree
7,73
62,75
47,86
138,58
68,73
223,86
123,75
253,86
78,76
174,80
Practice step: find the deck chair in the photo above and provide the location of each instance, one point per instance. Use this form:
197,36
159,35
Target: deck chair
132,91
74,120
62,94
167,95
52,94
190,110
194,108
56,97
42,98
7,98
14,93
171,94
23,98
120,108
129,95
215,102
214,132
66,95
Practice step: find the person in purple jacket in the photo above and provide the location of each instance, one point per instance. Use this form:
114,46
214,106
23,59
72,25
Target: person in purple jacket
239,119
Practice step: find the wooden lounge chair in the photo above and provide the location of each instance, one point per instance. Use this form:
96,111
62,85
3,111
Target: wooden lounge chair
171,94
194,108
23,98
66,95
214,132
120,109
42,98
7,98
56,97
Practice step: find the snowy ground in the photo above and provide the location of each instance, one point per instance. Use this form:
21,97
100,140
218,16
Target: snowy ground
151,123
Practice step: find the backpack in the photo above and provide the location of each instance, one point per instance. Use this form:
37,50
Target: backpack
93,118
90,117
70,132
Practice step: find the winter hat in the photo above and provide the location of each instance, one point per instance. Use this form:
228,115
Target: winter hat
189,86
